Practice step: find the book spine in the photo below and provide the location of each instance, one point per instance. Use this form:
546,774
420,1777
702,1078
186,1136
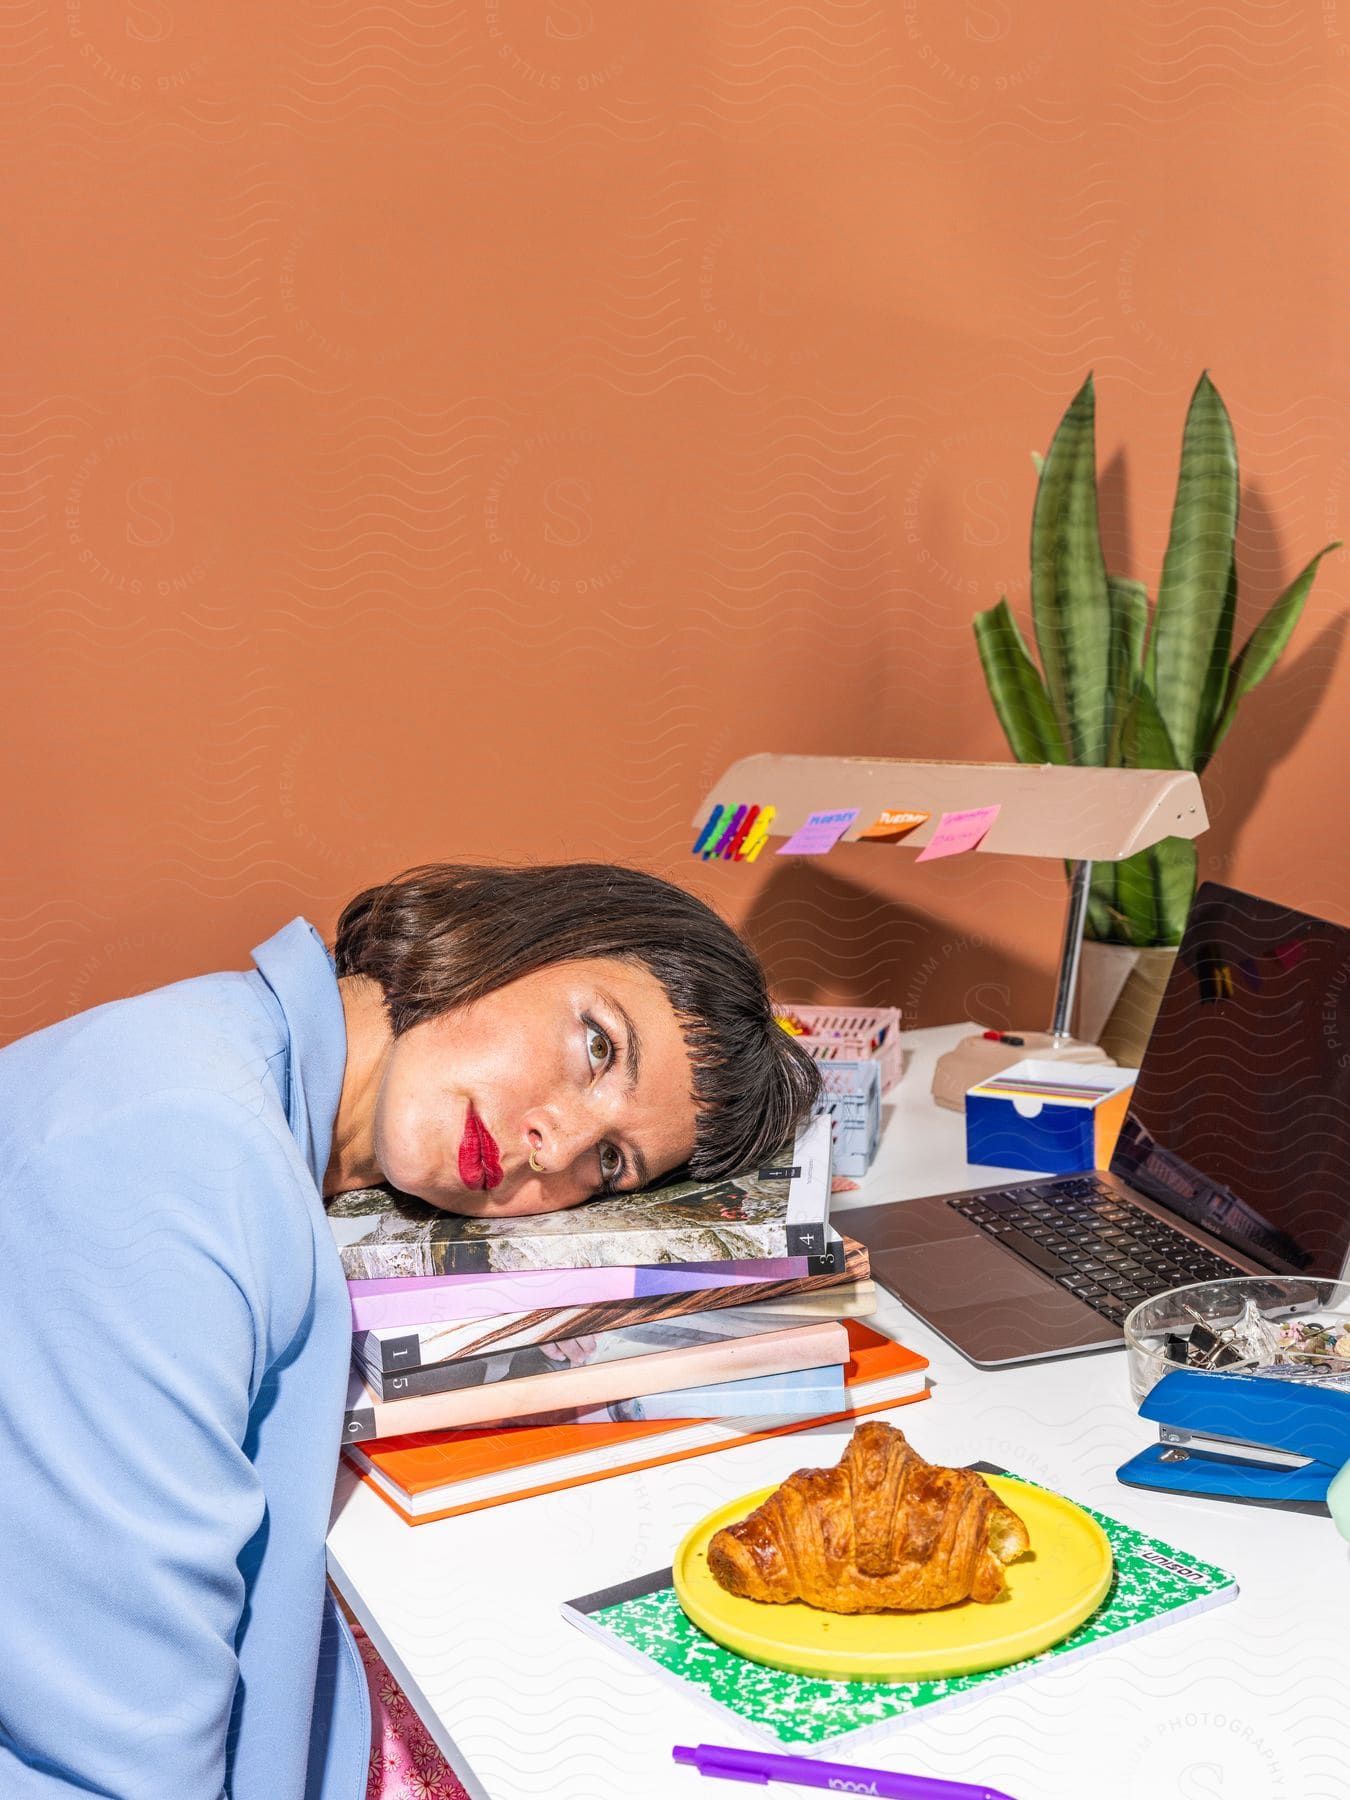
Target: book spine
391,1356
358,1420
808,1201
832,1260
804,1239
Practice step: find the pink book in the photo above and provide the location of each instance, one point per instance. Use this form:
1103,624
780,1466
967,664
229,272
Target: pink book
440,1299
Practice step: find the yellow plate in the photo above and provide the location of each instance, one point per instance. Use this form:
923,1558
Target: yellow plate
1060,1582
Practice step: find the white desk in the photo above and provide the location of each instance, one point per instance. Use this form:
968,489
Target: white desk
1248,1702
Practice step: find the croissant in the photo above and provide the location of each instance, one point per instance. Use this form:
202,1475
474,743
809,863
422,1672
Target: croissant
882,1531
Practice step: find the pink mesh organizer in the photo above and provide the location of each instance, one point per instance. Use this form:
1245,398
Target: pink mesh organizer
852,1034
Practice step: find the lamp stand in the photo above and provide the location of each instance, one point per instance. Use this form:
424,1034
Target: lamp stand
976,1058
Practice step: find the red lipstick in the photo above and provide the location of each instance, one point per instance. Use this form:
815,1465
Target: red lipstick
480,1161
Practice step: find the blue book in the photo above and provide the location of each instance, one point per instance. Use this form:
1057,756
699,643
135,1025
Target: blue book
801,1393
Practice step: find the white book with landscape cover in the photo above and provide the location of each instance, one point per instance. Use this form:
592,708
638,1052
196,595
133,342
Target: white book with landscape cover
395,1349
779,1210
770,1353
566,1349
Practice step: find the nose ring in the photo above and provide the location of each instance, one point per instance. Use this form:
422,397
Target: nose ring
536,1166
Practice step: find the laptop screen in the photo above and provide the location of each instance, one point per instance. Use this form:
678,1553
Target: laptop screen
1240,1120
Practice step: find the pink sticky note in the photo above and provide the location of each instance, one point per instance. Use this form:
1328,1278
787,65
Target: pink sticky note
958,831
821,832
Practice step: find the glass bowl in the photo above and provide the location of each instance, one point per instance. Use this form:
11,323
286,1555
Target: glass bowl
1169,1331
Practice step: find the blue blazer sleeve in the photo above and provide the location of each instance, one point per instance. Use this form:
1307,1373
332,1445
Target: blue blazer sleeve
143,1296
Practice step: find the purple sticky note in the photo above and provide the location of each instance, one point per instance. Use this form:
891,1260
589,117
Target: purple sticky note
958,831
821,832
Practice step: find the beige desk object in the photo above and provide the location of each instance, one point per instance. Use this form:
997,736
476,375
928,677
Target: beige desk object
1076,815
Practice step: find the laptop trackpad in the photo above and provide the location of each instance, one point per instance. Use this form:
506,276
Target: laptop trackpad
956,1273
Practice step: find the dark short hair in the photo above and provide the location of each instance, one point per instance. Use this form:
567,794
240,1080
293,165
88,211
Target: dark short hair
445,934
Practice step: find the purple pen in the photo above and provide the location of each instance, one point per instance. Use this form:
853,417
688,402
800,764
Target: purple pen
838,1778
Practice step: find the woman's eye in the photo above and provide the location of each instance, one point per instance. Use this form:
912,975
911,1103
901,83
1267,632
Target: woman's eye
611,1163
599,1050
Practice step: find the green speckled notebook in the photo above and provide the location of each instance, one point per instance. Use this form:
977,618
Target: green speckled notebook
1154,1585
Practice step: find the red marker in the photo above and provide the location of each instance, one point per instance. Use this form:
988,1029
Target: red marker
718,845
732,853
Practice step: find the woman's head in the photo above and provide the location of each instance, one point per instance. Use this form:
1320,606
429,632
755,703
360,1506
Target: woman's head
594,1018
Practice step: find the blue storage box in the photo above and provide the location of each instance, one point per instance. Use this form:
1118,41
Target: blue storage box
1052,1117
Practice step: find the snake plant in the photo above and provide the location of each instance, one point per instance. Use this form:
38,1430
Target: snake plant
1122,683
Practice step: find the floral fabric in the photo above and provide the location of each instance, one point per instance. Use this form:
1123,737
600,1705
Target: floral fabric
404,1762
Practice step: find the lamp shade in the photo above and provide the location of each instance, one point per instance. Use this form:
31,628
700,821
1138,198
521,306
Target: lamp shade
1046,809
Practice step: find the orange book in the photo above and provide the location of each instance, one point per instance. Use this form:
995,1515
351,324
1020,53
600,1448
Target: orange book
440,1474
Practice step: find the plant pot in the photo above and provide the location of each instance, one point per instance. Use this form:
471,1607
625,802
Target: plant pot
1119,992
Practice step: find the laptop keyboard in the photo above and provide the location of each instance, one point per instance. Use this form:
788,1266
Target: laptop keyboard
1082,1235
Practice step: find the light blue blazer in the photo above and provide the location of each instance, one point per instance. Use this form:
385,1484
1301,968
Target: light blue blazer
174,1341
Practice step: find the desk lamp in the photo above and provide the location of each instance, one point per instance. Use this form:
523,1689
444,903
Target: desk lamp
1076,815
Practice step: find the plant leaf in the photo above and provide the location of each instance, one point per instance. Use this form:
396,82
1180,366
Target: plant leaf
1129,629
1216,675
1069,603
1154,890
1145,742
1176,863
1195,570
1101,919
1137,897
1263,649
1129,626
1037,463
1016,688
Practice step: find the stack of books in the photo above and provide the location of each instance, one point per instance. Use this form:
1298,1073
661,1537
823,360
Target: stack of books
492,1358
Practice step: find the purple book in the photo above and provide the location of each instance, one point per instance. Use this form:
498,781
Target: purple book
439,1299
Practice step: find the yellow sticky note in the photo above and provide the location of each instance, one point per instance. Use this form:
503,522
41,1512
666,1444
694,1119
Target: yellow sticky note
892,826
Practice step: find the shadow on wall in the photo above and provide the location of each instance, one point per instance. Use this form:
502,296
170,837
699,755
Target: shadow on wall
1269,726
823,939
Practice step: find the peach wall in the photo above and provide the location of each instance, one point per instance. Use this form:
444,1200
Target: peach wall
460,427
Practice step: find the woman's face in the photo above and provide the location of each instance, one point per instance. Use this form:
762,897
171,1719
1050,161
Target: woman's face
581,1065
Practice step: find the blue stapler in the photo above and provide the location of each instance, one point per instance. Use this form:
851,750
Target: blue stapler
1243,1437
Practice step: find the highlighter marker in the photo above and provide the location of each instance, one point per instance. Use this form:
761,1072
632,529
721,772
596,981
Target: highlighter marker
714,819
722,838
732,853
759,836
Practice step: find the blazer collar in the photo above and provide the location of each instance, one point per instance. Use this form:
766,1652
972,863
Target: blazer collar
298,969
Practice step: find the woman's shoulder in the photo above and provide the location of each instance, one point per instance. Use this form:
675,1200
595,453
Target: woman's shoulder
196,1047
153,1122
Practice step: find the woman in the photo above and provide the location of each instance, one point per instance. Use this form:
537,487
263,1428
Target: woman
174,1326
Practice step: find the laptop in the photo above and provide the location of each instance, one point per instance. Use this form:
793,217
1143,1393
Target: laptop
1234,1158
